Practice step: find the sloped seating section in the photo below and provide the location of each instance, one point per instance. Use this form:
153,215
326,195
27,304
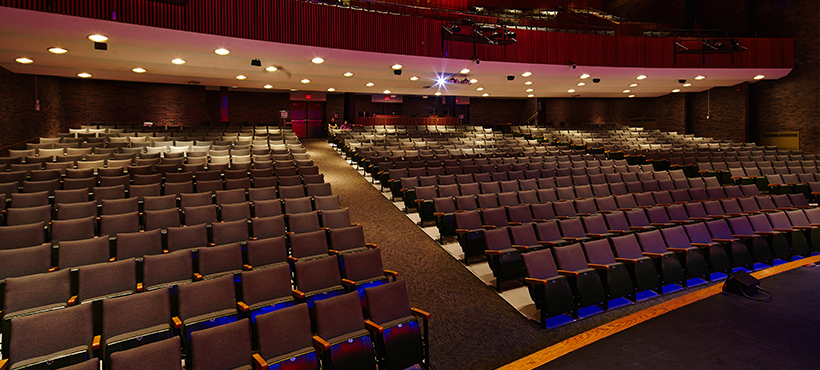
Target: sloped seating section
586,219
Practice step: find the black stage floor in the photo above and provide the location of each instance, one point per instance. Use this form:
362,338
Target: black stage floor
720,332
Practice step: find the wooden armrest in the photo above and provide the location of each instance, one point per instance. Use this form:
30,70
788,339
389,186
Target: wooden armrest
488,227
521,248
702,245
734,214
567,272
177,322
539,220
618,231
785,208
241,306
348,282
724,240
645,207
677,249
545,243
765,232
247,267
583,214
373,326
535,281
72,300
292,259
768,210
626,259
624,209
790,183
53,269
773,185
419,201
318,342
570,238
260,362
715,216
802,227
650,254
598,266
784,230
562,217
3,364
211,244
679,221
391,273
331,252
492,252
297,294
438,214
139,287
698,218
814,225
419,312
462,231
595,235
638,228
514,223
604,211
197,276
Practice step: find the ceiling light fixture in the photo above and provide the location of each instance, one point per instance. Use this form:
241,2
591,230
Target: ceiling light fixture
480,89
437,93
305,81
582,83
530,95
414,78
241,77
641,77
271,69
268,86
701,77
632,96
526,74
98,38
386,92
369,84
473,81
317,60
24,60
84,75
348,74
485,94
138,70
178,61
331,89
633,85
584,76
464,71
759,77
529,90
687,84
56,50
627,91
528,83
676,90
571,91
396,66
222,51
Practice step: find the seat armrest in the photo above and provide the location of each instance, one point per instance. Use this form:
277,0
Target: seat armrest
624,209
242,307
638,228
331,252
197,276
784,230
802,227
570,238
715,216
488,227
618,231
545,243
371,245
678,249
421,313
724,240
491,252
72,300
391,273
247,267
462,231
297,294
177,322
259,362
659,224
701,245
348,282
4,364
535,281
95,343
598,266
595,235
650,254
626,260
567,272
320,343
139,287
373,327
744,236
765,232
604,211
521,248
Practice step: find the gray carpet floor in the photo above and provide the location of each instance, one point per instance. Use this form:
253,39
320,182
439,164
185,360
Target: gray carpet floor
471,326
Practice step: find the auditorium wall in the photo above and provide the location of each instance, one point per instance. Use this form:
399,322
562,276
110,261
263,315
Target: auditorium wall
19,121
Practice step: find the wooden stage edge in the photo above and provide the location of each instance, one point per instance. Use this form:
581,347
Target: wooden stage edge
559,349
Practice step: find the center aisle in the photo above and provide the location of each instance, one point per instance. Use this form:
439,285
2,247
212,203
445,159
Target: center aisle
471,326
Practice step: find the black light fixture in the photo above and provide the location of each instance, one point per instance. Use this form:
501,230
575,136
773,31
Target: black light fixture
510,78
100,46
682,81
397,72
596,80
256,62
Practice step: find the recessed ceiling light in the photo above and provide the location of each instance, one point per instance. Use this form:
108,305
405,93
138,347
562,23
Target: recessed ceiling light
582,83
529,90
627,91
632,96
138,70
268,86
369,84
571,91
437,93
464,71
386,91
348,74
700,77
641,77
98,38
528,83
317,60
414,78
241,77
56,50
177,61
396,66
473,81
24,60
633,85
331,89
584,76
759,77
687,84
305,81
485,94
292,89
526,74
222,51
84,75
479,89
676,90
271,69
530,95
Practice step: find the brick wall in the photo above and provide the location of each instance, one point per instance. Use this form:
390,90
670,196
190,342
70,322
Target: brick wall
726,109
18,119
489,111
255,107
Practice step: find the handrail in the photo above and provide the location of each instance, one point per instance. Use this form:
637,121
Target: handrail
12,146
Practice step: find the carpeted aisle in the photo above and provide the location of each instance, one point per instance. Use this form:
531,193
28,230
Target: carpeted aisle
472,327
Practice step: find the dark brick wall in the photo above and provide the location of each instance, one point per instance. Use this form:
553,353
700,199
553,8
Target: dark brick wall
18,119
121,102
489,111
255,107
726,109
